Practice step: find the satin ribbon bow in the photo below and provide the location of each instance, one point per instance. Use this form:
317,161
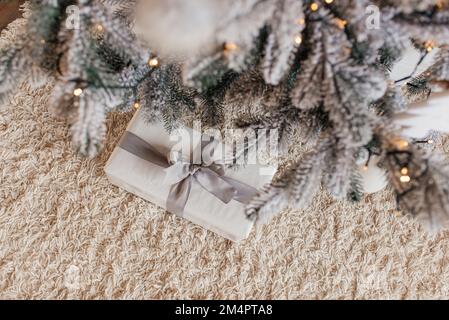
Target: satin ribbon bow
181,174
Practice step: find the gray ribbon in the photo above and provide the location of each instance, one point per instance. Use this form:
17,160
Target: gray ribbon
181,174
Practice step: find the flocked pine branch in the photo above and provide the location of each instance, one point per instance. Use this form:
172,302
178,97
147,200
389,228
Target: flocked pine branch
96,61
328,62
321,67
420,179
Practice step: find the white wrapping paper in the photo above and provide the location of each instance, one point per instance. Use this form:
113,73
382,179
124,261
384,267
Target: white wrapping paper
145,180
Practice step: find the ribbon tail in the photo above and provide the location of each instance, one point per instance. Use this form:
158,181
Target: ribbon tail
142,149
178,197
215,184
244,193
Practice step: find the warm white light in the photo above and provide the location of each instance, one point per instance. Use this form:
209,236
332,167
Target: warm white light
298,40
230,46
153,62
341,23
401,144
78,92
100,28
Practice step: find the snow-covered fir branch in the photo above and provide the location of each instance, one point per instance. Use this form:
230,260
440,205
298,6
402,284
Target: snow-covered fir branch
88,48
323,57
312,66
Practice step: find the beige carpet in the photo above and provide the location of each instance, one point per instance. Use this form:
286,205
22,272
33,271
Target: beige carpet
66,233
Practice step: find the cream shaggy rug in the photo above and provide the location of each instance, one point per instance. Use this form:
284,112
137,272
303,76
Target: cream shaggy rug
66,233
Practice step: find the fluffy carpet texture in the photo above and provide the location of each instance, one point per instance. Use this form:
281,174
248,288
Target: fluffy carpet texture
66,233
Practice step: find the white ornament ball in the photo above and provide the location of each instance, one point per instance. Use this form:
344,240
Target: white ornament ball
175,26
374,179
425,116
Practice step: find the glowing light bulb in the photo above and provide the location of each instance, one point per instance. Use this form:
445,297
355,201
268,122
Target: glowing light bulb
77,92
230,46
153,62
430,45
100,28
405,179
314,6
401,143
341,23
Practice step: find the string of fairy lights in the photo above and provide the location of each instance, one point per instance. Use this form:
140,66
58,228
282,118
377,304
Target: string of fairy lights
400,144
153,62
228,47
405,176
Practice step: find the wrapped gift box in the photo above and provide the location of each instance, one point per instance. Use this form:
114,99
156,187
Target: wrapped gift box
148,180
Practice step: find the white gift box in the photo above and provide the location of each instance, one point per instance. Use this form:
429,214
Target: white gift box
147,180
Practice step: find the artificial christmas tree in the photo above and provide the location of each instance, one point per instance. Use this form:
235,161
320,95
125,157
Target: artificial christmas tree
325,66
321,68
89,50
